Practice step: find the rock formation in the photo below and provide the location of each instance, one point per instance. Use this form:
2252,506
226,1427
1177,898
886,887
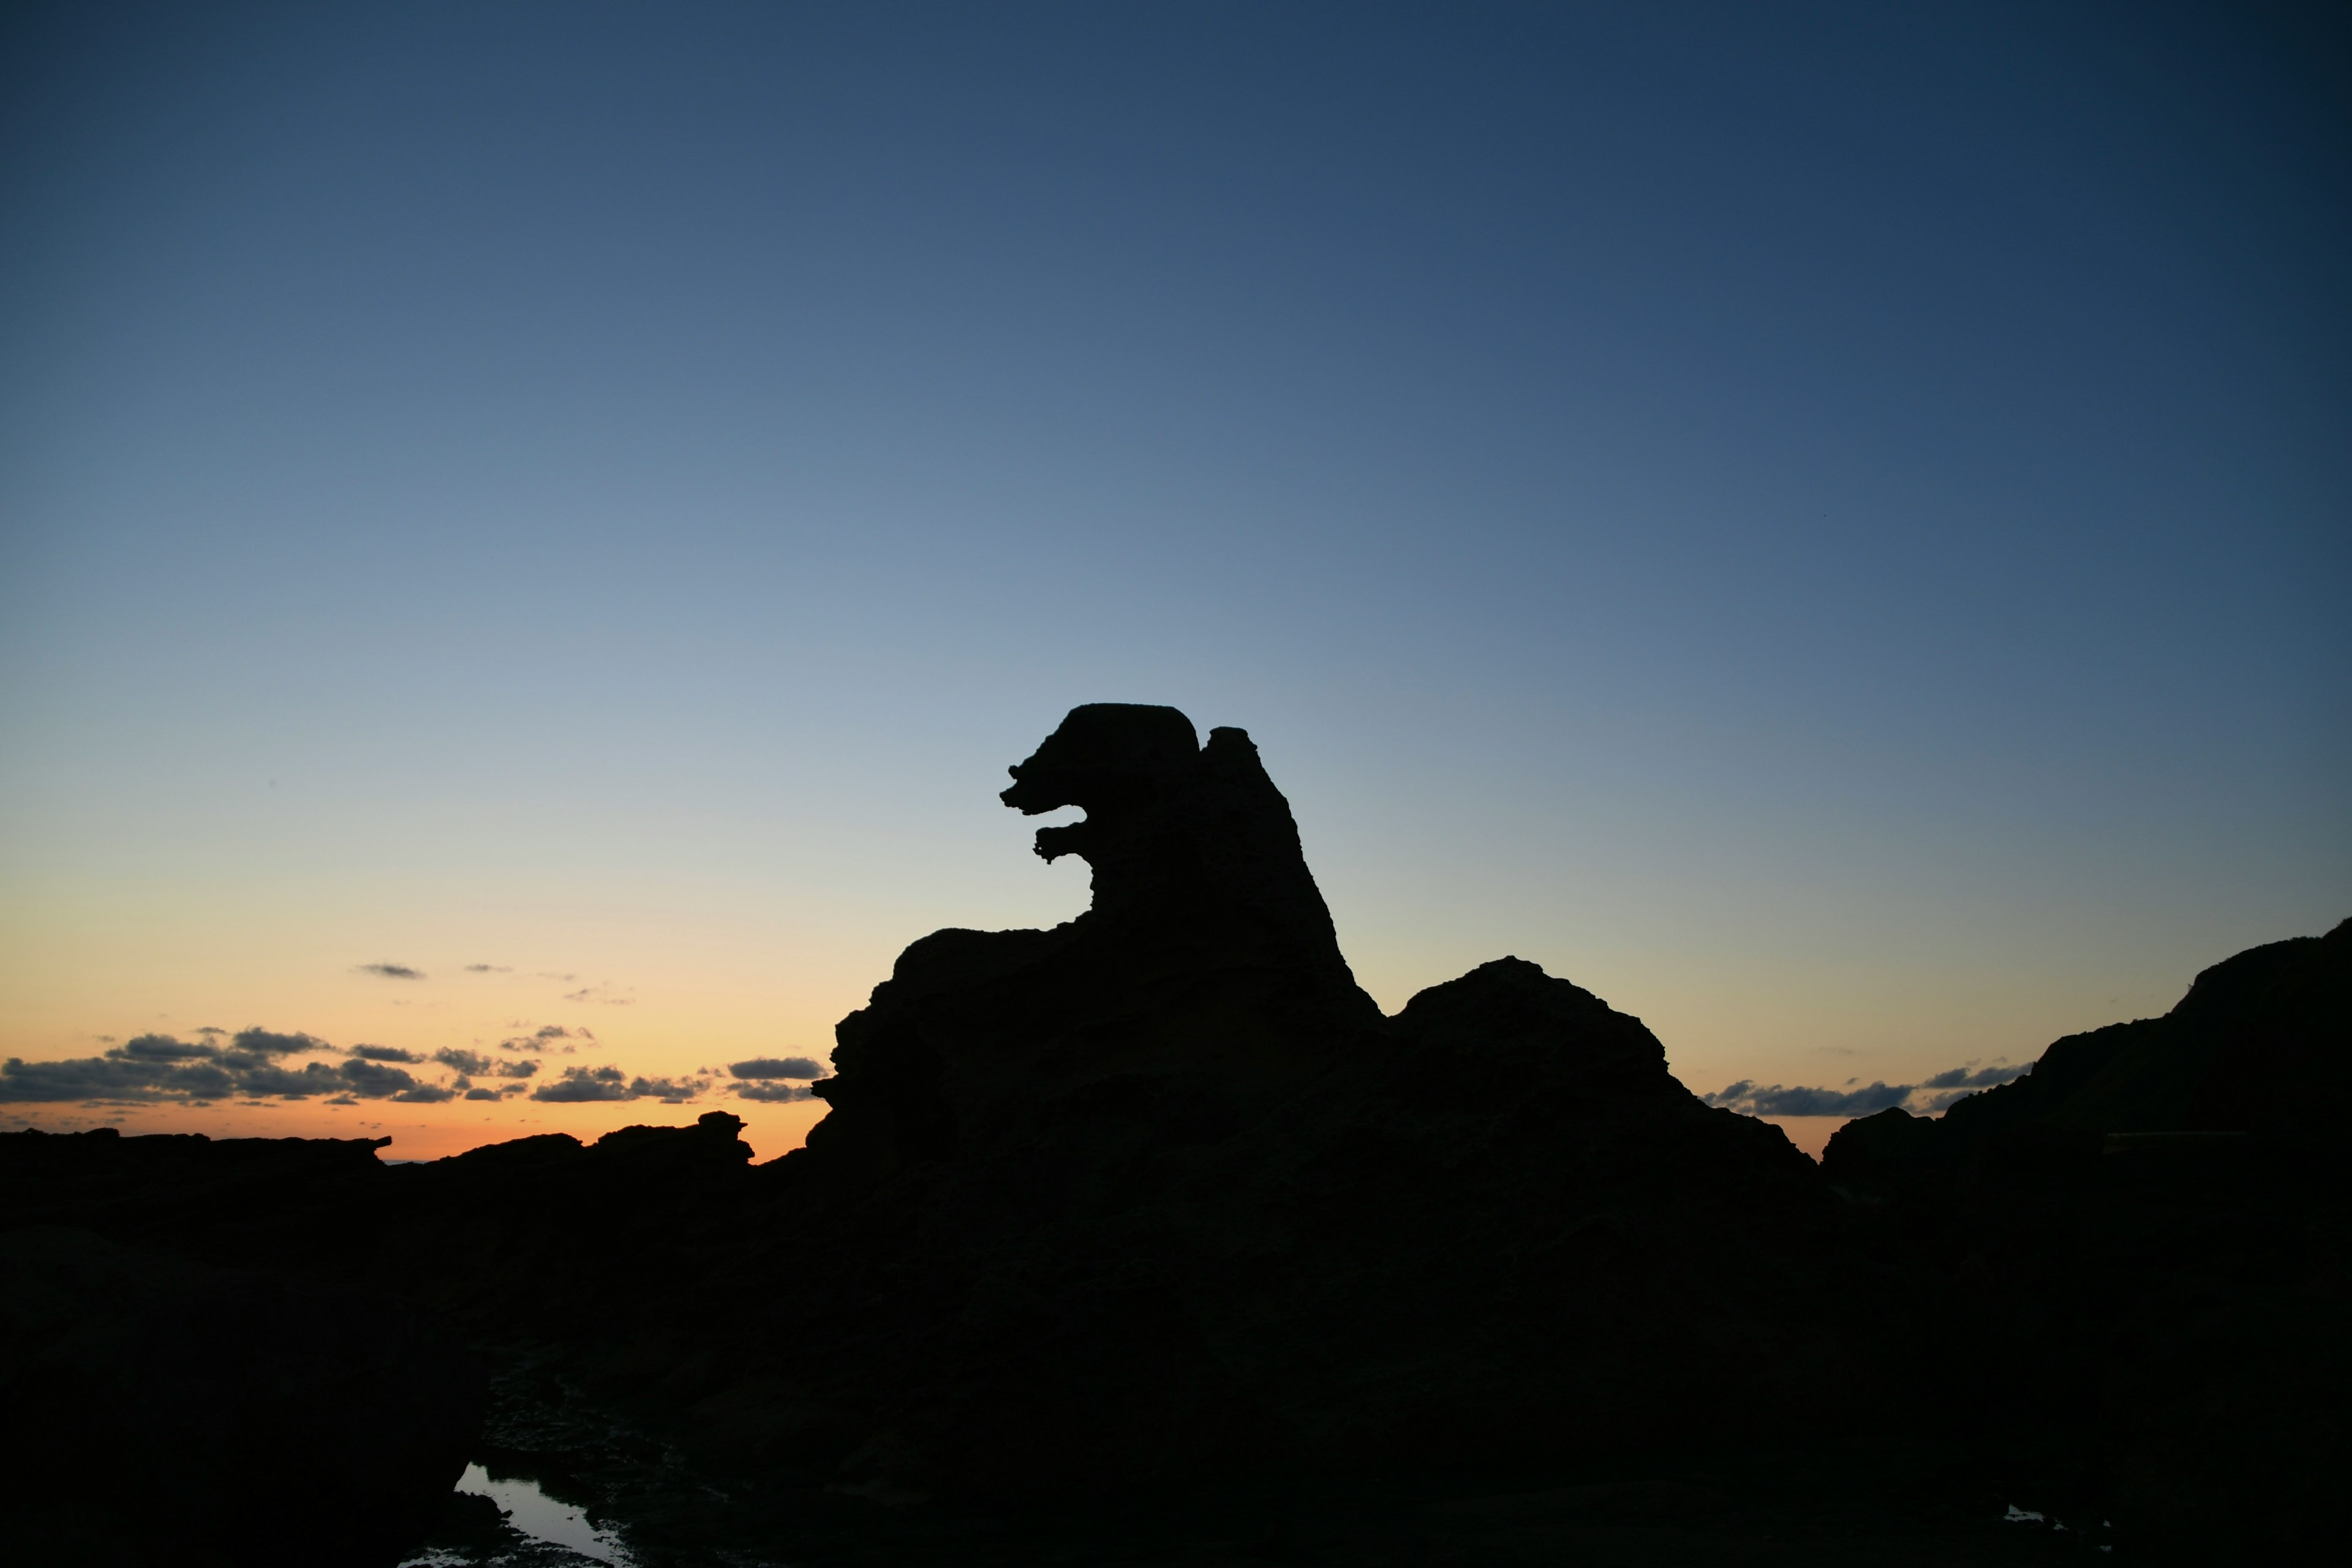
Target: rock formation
1160,1195
2149,1236
163,1411
1157,1203
1206,970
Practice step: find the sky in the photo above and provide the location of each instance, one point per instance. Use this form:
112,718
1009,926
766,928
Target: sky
1825,525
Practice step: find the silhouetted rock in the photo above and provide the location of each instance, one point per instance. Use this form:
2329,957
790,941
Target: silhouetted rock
2147,1236
161,1412
1158,1194
1207,963
1157,1201
2259,1046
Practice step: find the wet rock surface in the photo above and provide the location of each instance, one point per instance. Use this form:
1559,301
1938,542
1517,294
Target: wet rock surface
1147,1238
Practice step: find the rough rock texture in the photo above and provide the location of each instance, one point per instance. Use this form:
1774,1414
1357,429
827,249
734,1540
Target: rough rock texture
311,1403
161,1412
2151,1236
1160,1196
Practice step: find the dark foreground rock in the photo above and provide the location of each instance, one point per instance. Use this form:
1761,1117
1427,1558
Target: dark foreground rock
1149,1238
160,1411
2151,1238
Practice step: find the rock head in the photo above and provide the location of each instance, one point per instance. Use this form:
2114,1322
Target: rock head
1207,959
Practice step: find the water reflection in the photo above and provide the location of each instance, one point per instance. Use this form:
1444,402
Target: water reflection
532,1513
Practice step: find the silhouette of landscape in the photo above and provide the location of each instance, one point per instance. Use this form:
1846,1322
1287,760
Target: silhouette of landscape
1149,1238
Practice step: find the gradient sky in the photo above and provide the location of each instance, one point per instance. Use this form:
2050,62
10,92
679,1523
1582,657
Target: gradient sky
1825,525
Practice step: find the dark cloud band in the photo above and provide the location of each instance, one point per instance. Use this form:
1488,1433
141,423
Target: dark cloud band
1930,1094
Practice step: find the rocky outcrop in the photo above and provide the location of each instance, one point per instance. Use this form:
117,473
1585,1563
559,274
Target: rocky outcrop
2258,1050
2147,1237
259,1360
1160,1196
160,1411
1156,1201
1206,970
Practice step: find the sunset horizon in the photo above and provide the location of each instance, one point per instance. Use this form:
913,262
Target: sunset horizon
1197,785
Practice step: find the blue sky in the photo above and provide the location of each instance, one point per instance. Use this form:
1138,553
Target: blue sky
1826,525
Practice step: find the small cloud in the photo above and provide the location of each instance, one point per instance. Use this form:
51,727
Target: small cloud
481,1094
472,1064
425,1094
578,1085
260,1042
371,1081
384,1054
487,969
316,1078
211,1029
1755,1100
1983,1078
772,1093
341,1100
777,1066
392,970
516,1069
164,1049
583,1084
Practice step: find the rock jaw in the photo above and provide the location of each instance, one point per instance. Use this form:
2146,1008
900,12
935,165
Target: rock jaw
1178,832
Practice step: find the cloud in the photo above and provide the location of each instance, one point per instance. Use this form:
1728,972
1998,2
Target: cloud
1927,1096
487,969
547,1032
109,1076
316,1078
773,1093
516,1069
164,1048
260,1042
1775,1100
392,970
1983,1078
546,1037
386,1054
473,1064
578,1085
481,1094
777,1066
374,1082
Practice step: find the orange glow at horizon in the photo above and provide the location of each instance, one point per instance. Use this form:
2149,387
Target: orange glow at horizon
436,1131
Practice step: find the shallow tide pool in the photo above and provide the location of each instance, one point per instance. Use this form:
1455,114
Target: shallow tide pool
532,1513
